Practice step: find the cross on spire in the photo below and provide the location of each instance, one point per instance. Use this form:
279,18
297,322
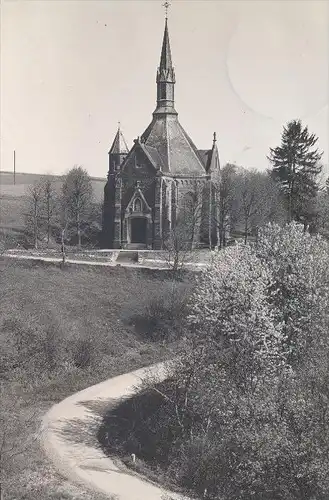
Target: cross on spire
166,5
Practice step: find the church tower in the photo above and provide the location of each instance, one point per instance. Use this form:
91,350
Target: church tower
151,188
165,79
117,155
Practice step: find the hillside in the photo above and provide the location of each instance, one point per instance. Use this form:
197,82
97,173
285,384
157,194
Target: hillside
62,331
12,196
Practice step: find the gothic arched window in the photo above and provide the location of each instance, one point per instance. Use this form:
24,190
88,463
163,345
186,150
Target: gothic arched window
137,205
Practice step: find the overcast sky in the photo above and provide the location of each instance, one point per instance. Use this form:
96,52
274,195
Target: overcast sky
70,70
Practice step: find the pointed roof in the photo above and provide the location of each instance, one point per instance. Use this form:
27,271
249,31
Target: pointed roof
119,145
165,60
210,157
171,147
214,163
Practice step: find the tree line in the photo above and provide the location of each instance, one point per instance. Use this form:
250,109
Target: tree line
66,211
290,190
242,200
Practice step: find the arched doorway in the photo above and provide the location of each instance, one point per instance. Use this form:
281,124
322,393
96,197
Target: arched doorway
138,230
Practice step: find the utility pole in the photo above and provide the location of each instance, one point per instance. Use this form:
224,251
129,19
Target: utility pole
14,167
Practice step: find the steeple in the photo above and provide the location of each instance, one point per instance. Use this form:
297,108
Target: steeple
119,145
214,166
165,78
118,151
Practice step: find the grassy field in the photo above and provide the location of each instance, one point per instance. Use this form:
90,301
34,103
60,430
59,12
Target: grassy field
62,331
23,180
13,197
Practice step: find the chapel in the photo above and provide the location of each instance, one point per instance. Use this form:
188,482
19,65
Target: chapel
163,181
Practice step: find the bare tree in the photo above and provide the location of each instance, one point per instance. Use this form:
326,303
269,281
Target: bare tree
224,186
257,201
177,248
77,194
34,213
184,233
189,216
50,202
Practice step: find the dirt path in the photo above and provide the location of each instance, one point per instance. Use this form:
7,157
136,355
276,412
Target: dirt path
86,464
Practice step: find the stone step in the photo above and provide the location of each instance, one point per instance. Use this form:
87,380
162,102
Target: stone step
127,256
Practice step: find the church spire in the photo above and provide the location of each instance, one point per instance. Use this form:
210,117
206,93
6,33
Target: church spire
165,60
119,145
117,152
165,76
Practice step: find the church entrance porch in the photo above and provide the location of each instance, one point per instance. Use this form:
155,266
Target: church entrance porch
137,232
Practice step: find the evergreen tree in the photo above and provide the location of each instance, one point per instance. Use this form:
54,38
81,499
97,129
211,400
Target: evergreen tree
296,168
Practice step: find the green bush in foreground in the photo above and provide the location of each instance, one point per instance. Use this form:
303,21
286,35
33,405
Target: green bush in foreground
245,414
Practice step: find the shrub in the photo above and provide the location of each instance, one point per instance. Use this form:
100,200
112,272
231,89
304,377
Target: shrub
161,316
245,414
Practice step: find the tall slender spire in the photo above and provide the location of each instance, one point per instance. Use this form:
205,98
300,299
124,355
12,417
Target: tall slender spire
119,145
165,60
165,78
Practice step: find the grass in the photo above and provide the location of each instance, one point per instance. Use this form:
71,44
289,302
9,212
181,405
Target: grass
13,196
62,331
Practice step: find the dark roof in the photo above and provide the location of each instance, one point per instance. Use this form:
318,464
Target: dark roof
165,60
119,145
172,146
214,164
205,155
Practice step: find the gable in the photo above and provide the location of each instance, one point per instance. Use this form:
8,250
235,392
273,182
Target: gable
139,163
138,202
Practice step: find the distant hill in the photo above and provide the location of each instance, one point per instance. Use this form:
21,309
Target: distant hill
12,196
23,180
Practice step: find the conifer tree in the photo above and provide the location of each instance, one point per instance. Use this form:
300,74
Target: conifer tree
296,168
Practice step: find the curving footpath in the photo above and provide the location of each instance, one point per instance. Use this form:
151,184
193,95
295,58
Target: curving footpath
86,464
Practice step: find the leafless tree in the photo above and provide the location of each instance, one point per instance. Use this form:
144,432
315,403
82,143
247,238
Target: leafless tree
34,212
77,194
50,204
183,235
224,187
177,248
257,201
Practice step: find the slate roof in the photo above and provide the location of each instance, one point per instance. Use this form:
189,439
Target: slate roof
205,155
119,145
165,142
165,60
171,148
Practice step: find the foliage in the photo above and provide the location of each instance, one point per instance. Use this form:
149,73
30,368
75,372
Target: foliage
322,213
296,168
245,413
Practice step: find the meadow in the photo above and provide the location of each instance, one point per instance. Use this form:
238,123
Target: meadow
62,331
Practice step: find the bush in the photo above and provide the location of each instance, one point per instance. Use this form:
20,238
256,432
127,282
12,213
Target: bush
245,414
161,316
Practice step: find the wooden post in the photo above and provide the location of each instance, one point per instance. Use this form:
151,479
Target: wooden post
14,167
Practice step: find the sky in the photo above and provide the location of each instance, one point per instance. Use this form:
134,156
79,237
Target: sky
71,70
